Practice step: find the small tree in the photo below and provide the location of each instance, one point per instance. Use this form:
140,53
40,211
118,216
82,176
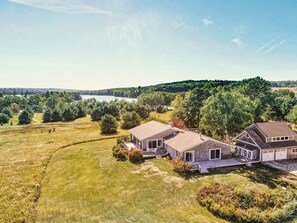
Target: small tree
25,117
96,114
68,115
3,119
292,116
15,108
135,155
180,166
108,124
56,115
47,115
7,111
130,120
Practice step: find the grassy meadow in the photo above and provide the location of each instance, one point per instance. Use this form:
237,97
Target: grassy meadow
65,172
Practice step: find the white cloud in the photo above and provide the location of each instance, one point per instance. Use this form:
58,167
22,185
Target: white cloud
179,25
207,22
264,46
66,6
237,41
274,46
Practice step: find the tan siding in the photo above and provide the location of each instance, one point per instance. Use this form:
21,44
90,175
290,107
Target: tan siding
159,136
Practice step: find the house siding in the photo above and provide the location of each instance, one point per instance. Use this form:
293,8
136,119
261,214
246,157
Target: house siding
290,154
202,151
159,136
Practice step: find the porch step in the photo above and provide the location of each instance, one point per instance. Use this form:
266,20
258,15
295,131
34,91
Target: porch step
203,170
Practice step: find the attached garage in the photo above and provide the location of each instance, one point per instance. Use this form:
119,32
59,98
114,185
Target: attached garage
267,155
281,154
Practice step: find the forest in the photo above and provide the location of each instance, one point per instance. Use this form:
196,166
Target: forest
217,108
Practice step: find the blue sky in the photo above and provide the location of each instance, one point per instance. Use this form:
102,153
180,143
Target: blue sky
95,44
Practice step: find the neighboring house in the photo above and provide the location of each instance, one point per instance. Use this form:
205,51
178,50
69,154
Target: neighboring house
267,141
150,136
194,148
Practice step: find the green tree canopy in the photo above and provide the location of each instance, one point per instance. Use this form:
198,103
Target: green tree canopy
108,124
130,120
223,111
292,116
3,118
25,117
47,115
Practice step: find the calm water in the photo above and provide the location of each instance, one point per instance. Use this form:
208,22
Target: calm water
107,98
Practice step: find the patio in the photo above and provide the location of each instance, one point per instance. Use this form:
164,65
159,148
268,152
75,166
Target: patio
203,166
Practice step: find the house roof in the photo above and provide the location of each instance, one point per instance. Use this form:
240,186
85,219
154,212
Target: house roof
259,131
272,129
152,128
187,140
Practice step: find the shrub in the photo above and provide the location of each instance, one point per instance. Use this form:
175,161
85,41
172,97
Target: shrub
135,155
56,115
7,111
47,115
119,152
239,204
122,138
68,114
180,166
25,117
161,109
130,120
178,123
108,124
3,118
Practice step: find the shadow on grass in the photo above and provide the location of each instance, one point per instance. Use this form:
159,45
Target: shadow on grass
258,173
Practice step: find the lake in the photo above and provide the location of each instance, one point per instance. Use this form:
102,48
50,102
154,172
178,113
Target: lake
107,98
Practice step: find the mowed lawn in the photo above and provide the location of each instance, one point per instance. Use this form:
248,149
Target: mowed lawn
84,183
24,155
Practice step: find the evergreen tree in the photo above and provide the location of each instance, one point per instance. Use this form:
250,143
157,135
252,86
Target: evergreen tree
108,124
47,115
25,117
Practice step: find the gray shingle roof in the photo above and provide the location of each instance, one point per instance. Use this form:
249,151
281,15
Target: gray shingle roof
152,128
187,140
271,129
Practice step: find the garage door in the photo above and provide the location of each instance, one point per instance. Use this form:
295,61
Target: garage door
268,155
281,154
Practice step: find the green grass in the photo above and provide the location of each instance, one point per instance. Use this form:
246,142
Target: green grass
84,183
24,154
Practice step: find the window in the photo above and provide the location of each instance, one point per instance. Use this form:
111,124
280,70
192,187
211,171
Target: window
160,143
215,154
189,156
280,138
152,144
294,150
247,135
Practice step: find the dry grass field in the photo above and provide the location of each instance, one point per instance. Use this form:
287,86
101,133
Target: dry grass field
65,172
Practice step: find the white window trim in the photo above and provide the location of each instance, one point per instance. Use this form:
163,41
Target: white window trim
215,149
193,156
161,142
274,139
149,140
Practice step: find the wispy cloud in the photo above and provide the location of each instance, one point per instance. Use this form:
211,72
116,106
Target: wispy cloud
66,6
180,25
265,45
237,41
274,46
207,22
